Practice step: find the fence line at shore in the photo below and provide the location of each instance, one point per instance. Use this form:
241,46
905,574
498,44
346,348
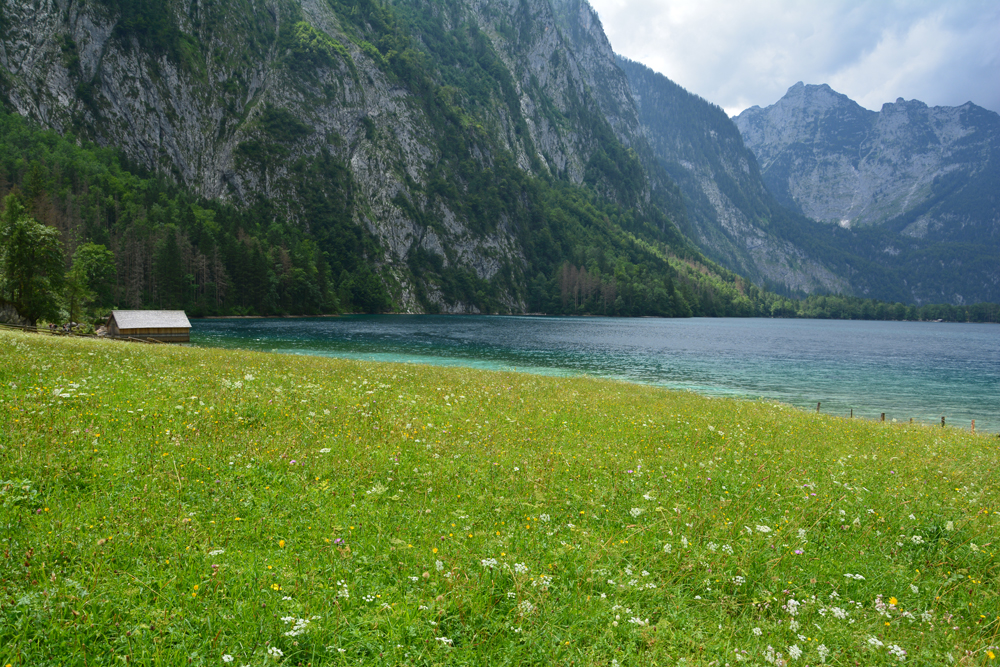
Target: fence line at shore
881,419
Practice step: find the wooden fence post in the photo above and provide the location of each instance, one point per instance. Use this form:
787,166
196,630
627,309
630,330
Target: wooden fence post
817,406
942,422
883,416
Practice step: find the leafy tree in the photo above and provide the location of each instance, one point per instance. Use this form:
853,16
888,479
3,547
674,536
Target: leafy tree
90,280
31,263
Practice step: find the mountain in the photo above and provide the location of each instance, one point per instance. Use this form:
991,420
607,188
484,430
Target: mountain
733,216
920,185
466,156
305,156
834,161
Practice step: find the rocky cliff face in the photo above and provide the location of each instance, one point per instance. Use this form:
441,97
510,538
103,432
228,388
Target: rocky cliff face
208,95
836,162
910,188
733,216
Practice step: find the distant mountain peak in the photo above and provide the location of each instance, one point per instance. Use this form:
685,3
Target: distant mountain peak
927,173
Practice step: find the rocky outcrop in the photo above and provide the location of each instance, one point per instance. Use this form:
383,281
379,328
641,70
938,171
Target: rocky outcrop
9,315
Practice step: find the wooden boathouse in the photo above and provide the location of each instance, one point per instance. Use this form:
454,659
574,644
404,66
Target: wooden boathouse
165,326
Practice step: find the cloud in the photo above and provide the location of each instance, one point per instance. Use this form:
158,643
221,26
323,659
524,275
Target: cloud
738,54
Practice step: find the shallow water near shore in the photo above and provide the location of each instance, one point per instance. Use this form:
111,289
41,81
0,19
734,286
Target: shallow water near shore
907,370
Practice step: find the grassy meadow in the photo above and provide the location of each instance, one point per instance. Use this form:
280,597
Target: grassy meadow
170,506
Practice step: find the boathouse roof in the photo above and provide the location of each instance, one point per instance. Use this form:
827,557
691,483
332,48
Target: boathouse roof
151,319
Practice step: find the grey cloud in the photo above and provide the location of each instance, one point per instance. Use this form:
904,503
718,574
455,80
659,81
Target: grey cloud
738,54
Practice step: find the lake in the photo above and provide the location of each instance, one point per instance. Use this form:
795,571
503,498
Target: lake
917,370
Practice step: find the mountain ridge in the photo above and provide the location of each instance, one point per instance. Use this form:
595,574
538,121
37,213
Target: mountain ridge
814,134
914,187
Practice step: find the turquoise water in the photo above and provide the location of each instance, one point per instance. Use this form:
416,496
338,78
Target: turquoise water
907,370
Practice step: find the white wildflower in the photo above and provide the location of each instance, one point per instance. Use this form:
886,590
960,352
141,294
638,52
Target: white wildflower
275,652
525,608
377,490
636,511
227,658
794,652
897,651
520,568
823,651
763,529
445,641
757,632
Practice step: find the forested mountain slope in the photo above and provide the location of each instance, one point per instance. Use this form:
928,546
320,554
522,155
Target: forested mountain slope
446,156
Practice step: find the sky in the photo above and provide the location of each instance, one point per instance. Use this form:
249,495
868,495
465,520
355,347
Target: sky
738,54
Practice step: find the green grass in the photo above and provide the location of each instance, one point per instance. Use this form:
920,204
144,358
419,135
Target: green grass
169,506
